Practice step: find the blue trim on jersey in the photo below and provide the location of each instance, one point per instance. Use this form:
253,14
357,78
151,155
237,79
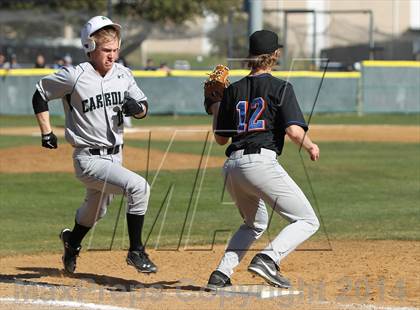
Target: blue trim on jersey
303,125
260,75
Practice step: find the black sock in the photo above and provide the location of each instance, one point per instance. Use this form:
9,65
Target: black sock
77,234
135,227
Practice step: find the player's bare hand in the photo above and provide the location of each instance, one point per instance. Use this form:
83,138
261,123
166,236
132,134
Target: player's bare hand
49,141
314,152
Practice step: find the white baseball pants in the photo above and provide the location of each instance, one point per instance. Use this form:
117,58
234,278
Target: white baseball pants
251,180
104,176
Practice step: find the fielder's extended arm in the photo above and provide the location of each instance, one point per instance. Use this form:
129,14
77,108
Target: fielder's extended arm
296,134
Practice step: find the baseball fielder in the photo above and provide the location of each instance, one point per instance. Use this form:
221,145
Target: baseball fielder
96,95
256,112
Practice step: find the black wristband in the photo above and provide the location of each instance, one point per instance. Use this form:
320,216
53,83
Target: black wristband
46,135
146,105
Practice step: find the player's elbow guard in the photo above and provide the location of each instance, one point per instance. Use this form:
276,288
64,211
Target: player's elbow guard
38,103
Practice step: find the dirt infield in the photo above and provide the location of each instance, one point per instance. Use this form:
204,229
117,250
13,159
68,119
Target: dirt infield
28,158
354,275
319,133
36,159
366,133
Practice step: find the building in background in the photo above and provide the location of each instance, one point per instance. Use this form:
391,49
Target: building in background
348,30
380,29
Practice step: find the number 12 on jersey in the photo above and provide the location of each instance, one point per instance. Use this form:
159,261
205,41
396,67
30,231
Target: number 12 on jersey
254,123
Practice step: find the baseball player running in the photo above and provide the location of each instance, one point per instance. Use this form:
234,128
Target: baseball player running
256,112
96,95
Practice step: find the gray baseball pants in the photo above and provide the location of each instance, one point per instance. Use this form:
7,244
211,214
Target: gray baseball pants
104,176
252,179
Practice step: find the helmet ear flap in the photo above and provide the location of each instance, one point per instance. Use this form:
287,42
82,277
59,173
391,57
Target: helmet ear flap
89,45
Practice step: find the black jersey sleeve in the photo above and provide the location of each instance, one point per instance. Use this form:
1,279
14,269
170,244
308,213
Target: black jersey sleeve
289,108
226,122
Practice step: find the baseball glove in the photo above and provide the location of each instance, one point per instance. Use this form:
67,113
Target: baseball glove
215,85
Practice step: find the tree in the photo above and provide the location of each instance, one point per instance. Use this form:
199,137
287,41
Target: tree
167,14
46,18
225,43
22,20
230,37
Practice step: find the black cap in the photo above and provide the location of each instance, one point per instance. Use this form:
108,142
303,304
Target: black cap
263,42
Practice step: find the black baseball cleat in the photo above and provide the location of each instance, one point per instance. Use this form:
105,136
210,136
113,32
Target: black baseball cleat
265,267
140,260
70,253
218,280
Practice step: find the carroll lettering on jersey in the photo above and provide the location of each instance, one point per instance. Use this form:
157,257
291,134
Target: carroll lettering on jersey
99,101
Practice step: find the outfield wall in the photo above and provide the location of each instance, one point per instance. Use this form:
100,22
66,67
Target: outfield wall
381,87
390,86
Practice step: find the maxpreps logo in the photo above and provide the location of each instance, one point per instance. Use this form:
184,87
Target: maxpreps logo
102,100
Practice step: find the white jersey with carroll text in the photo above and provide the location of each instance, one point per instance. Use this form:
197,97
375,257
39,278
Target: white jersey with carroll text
91,102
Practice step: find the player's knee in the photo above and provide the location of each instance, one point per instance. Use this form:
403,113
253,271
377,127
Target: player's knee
146,188
314,224
138,186
138,192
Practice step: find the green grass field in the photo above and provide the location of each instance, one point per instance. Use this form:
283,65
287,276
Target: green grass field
363,190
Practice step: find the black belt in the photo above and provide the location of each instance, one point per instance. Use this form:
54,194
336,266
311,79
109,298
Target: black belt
109,151
252,150
247,150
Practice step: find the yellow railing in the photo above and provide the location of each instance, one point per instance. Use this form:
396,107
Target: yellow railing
238,73
391,63
191,73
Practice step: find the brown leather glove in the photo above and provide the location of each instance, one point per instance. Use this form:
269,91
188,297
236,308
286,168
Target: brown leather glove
215,85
